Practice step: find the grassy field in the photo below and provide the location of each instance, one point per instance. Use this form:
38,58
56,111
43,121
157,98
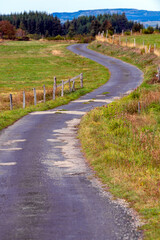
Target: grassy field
28,65
123,146
149,39
142,41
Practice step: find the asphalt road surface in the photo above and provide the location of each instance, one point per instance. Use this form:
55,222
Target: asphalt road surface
47,191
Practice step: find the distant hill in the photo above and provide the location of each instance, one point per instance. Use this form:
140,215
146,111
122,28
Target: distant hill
144,16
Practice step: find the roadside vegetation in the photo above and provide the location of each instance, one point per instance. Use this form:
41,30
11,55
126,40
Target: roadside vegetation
123,146
28,65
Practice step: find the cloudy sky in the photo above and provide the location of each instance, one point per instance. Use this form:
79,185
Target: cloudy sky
8,6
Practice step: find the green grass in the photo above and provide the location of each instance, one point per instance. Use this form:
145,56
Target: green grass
25,65
31,64
123,146
149,39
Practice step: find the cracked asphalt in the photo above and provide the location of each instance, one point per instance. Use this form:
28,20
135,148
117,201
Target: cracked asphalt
47,191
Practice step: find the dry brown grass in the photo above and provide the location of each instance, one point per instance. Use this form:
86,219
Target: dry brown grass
57,53
149,97
18,98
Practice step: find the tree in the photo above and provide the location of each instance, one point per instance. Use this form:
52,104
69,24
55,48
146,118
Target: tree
20,33
150,30
35,23
71,31
95,27
106,25
7,30
137,27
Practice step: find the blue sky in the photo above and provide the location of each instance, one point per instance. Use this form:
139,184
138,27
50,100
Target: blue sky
8,6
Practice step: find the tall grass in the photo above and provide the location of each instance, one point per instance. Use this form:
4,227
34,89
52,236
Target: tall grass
123,146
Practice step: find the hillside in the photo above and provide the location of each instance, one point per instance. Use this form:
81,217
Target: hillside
147,17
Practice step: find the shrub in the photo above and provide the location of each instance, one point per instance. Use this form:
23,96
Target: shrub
149,30
58,37
7,30
34,36
127,33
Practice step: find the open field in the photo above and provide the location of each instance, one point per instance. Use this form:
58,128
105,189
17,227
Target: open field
123,146
28,65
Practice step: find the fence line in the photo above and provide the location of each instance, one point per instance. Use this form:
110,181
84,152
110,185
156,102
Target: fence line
118,40
55,86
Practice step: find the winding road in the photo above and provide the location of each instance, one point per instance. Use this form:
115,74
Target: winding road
47,191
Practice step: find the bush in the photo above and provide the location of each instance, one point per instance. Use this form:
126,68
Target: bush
34,36
22,38
149,30
86,39
110,32
58,37
7,30
127,33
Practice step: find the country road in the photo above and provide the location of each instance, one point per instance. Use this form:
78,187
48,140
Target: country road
47,191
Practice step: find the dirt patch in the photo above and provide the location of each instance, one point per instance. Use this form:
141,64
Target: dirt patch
57,53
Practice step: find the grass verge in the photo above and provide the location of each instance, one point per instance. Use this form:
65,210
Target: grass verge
123,146
25,65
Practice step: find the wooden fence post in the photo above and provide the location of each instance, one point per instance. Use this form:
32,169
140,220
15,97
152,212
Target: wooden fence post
62,92
81,78
119,40
24,99
44,93
73,86
145,49
35,97
126,41
54,88
158,74
11,102
143,43
122,32
113,39
107,34
139,107
69,81
149,50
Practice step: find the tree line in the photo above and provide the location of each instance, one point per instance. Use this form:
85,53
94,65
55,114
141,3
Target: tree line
43,24
35,23
92,25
